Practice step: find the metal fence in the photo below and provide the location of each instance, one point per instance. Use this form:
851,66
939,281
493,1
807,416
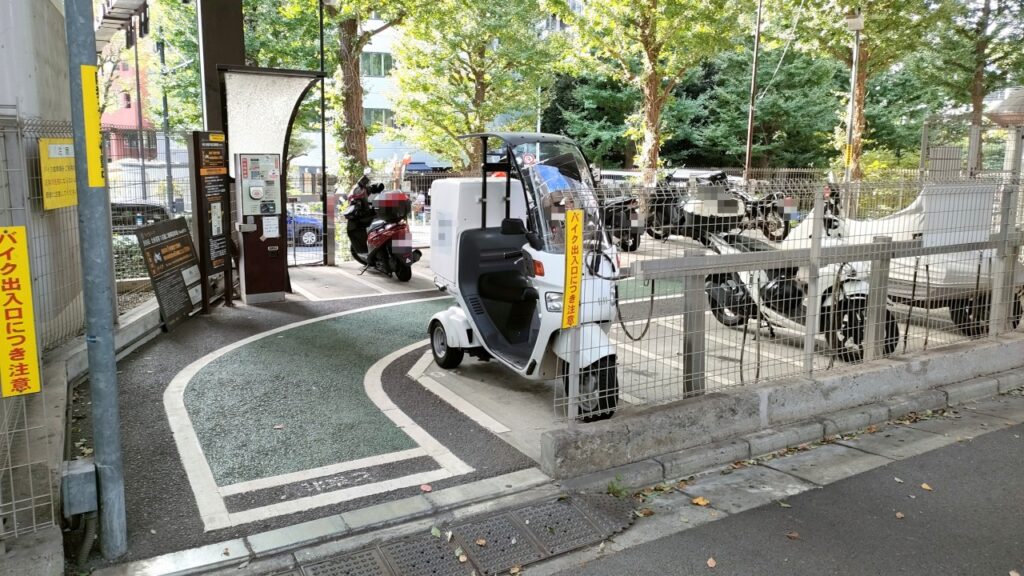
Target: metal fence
789,285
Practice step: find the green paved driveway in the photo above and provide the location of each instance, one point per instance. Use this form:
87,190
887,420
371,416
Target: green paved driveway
309,381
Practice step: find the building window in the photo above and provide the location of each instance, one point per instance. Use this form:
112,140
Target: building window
375,64
126,100
378,117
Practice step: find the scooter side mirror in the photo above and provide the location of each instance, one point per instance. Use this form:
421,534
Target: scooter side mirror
512,227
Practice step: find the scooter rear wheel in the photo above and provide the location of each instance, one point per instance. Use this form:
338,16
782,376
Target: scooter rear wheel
403,272
447,357
356,256
599,390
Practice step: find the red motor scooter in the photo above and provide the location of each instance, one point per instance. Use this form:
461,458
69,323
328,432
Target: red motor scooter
378,232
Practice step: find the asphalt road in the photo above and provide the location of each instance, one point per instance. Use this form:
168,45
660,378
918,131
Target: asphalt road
161,509
971,523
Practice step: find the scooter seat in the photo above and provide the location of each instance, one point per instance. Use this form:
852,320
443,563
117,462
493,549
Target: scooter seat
507,286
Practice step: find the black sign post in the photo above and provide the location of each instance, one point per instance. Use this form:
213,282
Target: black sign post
173,268
212,209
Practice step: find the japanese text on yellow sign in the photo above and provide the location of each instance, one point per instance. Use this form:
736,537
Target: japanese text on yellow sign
93,138
573,268
19,363
57,166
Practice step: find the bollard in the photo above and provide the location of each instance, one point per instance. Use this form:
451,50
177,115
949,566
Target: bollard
694,308
878,284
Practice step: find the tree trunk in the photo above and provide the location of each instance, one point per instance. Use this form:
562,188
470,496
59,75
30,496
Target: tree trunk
652,105
352,129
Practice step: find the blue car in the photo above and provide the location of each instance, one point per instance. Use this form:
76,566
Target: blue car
305,229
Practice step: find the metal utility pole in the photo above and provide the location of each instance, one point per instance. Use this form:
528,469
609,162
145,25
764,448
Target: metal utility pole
753,95
97,274
855,23
160,44
138,111
327,238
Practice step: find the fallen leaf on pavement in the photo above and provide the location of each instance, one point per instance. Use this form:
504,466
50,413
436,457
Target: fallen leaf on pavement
463,558
784,505
900,516
481,542
644,512
227,552
712,563
425,488
459,553
700,501
435,531
925,486
1014,573
448,536
898,480
515,569
681,485
793,535
871,429
279,427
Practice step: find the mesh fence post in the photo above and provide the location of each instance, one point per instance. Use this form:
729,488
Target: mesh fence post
694,308
878,280
813,274
1003,293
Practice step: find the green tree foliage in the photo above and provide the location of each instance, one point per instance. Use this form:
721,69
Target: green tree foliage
899,102
594,111
650,44
468,66
893,29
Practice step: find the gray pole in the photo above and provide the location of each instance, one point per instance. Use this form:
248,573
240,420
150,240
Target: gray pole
97,254
848,153
327,237
753,96
138,115
166,126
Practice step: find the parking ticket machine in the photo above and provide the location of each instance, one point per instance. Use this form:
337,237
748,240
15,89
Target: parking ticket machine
262,240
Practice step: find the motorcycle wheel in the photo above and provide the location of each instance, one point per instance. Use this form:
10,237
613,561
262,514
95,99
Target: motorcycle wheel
971,315
599,390
445,356
656,227
403,272
774,227
630,242
724,315
356,256
845,329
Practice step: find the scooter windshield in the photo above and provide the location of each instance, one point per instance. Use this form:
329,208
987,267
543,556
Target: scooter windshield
558,178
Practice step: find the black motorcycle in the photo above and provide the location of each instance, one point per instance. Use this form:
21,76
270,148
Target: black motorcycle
622,220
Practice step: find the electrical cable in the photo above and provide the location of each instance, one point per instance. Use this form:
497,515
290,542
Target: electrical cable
785,50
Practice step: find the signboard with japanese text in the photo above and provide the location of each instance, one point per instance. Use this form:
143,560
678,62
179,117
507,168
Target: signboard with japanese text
173,268
93,136
573,268
19,360
57,168
210,174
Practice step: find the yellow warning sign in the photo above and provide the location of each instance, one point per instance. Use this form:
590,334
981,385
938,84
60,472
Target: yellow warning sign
57,167
93,138
573,268
19,362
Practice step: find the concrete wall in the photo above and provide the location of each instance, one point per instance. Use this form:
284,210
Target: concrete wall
34,74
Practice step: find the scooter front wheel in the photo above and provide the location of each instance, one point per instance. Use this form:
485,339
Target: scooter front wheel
599,390
447,357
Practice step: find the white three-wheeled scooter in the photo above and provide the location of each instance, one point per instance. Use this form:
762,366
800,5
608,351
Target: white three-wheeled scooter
498,246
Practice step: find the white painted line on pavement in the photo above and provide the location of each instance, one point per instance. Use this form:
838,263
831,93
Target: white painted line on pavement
459,403
304,293
212,509
282,479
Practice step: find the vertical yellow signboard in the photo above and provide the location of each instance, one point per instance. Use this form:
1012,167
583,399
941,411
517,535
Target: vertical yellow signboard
57,167
573,268
19,361
93,138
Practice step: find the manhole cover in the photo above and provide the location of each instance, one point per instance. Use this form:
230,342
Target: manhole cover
424,556
507,545
362,563
610,514
558,525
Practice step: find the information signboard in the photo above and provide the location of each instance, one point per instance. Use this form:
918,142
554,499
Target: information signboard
19,359
173,268
573,268
212,198
57,168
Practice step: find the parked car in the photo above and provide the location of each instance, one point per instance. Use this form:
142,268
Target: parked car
125,217
305,229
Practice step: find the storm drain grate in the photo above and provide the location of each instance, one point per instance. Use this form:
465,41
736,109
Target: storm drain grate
558,525
424,555
362,563
515,538
506,545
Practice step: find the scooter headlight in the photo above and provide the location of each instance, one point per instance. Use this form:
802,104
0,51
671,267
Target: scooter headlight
553,301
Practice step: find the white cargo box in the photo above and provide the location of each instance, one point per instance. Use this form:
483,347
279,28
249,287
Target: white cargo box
454,208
